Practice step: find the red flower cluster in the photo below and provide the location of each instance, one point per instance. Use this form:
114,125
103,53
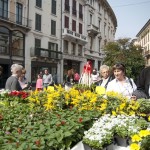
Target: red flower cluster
21,94
80,120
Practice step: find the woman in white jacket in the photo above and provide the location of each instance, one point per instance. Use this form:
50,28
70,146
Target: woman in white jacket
121,83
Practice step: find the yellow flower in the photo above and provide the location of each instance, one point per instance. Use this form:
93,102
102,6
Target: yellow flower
122,106
134,146
103,106
114,113
144,133
149,118
136,138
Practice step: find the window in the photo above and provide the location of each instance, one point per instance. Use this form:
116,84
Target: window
4,42
66,22
105,29
39,3
73,48
53,47
38,22
99,25
99,6
80,50
73,25
19,13
74,11
37,43
4,9
17,43
90,18
99,47
67,7
54,7
53,27
80,28
65,46
80,12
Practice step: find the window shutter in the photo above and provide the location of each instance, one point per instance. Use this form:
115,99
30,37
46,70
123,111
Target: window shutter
80,28
73,25
53,27
54,7
66,22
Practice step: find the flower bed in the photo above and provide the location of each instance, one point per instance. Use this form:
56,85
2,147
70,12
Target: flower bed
57,119
106,128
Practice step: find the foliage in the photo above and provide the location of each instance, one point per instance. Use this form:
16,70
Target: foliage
144,106
124,51
24,128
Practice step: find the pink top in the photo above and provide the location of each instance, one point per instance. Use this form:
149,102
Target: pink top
39,83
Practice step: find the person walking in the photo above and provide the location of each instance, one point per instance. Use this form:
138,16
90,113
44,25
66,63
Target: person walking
47,79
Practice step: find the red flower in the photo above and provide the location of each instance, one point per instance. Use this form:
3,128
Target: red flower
1,117
63,122
80,120
37,142
19,130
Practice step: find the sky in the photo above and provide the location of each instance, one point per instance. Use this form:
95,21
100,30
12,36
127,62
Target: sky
131,16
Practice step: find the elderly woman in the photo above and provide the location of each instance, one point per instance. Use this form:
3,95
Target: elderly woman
105,76
12,82
121,83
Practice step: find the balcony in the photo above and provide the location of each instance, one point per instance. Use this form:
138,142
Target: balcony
46,53
73,36
12,18
92,30
147,53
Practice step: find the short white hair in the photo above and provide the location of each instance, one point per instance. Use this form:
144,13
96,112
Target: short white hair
104,67
15,68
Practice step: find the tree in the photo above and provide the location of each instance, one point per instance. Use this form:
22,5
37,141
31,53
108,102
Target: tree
124,51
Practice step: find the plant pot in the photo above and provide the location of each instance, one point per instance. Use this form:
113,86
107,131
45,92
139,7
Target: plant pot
110,147
121,141
86,147
79,146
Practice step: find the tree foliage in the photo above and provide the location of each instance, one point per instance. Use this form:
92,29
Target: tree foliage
124,51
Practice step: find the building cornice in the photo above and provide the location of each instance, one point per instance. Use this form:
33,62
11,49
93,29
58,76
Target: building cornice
114,19
143,28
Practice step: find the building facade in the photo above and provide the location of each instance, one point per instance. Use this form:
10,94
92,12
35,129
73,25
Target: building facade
57,35
43,42
87,26
14,25
143,39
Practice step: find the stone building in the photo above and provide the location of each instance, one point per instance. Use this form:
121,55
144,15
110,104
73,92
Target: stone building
143,39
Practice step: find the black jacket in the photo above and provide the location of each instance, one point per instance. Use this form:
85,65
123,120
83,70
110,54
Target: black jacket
143,81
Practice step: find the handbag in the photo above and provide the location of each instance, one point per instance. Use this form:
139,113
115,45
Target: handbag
139,94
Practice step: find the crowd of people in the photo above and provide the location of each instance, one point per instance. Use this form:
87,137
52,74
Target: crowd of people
17,81
112,80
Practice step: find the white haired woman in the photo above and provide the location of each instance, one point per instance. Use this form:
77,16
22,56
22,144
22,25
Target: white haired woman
105,75
12,82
